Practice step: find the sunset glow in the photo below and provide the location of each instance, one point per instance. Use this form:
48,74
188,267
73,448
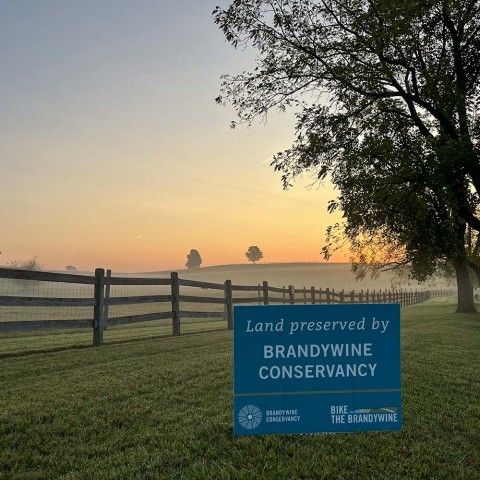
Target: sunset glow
115,154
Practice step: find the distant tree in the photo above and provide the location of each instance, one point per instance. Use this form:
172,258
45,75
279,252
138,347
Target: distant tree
31,264
71,268
194,260
254,254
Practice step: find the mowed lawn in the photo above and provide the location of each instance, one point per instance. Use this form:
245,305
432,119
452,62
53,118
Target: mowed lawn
160,408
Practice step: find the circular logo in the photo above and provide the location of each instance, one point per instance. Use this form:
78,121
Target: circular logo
249,417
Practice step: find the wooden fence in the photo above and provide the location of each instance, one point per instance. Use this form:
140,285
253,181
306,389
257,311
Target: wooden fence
101,301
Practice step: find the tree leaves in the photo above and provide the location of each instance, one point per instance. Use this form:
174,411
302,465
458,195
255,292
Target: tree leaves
386,98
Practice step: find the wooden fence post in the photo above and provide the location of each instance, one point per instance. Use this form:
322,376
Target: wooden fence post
265,292
352,296
360,296
342,296
327,295
99,308
291,294
259,293
229,303
283,294
175,303
312,294
107,297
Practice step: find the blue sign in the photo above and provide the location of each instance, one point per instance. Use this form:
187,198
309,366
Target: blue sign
316,368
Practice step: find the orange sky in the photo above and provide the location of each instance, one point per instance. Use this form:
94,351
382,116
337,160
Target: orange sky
115,154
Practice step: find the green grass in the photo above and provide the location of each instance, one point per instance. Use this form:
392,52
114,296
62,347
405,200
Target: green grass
36,341
161,409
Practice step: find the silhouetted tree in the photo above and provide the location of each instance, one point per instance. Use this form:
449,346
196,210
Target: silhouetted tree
194,260
71,268
254,254
385,88
31,264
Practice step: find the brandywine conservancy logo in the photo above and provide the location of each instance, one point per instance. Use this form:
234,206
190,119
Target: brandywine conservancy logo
249,417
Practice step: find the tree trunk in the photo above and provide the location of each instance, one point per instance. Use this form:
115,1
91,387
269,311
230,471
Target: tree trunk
476,270
465,303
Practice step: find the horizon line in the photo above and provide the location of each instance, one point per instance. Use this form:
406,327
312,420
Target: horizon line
184,269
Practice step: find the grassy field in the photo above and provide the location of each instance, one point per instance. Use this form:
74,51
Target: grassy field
331,275
38,341
160,408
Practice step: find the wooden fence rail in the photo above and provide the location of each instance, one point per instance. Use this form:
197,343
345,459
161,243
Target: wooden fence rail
102,299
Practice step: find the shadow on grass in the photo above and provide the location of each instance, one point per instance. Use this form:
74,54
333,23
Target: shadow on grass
107,343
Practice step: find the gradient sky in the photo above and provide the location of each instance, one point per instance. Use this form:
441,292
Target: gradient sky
113,152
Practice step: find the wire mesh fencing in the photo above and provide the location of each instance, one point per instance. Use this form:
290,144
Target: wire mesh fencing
125,307
35,289
44,311
110,308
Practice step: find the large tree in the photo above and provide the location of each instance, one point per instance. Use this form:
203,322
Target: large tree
354,70
391,221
